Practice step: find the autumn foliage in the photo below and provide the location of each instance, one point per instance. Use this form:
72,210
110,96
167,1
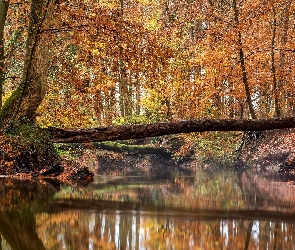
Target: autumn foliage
140,61
71,63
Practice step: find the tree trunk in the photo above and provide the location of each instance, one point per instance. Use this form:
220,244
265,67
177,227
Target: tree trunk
273,68
18,235
242,63
138,95
283,97
3,14
21,107
165,128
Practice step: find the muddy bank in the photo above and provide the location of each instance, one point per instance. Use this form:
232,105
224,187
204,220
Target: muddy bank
269,152
119,158
27,153
131,160
273,151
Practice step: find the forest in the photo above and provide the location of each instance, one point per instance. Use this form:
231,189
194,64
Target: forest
103,63
147,124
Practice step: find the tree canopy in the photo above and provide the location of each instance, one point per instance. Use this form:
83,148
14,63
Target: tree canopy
89,63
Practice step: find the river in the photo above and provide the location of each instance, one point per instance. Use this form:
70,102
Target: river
203,210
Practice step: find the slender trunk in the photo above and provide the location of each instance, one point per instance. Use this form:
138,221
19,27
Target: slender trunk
124,79
273,68
128,98
137,96
98,107
125,91
111,105
282,53
121,89
248,237
242,63
22,105
3,14
121,71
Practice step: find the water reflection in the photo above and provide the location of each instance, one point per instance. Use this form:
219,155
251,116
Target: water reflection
204,211
19,203
115,230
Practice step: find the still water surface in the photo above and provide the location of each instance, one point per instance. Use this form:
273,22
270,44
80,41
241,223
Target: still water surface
204,210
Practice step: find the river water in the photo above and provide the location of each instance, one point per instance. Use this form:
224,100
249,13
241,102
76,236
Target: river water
203,210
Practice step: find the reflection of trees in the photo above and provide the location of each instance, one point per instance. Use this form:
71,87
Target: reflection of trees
113,228
18,230
162,215
266,192
205,212
248,235
19,201
164,211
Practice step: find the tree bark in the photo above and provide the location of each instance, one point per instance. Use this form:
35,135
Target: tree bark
283,94
242,63
22,105
4,4
136,131
273,67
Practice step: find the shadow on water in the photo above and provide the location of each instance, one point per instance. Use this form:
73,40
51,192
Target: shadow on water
204,210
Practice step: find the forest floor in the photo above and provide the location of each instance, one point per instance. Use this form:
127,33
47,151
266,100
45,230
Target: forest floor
274,151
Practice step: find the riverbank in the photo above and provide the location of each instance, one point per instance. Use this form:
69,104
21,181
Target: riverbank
273,152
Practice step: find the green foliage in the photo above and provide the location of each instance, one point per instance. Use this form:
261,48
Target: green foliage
217,147
129,145
69,151
65,154
135,119
30,133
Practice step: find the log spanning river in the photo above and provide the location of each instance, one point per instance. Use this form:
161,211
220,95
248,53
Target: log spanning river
203,210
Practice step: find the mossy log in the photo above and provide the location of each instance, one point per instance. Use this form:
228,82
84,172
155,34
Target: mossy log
136,131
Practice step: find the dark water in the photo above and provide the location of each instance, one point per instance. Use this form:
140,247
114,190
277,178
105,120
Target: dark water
226,210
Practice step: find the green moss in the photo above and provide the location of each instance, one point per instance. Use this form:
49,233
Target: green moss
69,151
7,110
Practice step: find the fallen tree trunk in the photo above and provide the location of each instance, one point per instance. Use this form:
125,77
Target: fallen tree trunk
135,131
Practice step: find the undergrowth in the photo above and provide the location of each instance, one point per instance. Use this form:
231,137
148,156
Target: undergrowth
26,149
211,147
